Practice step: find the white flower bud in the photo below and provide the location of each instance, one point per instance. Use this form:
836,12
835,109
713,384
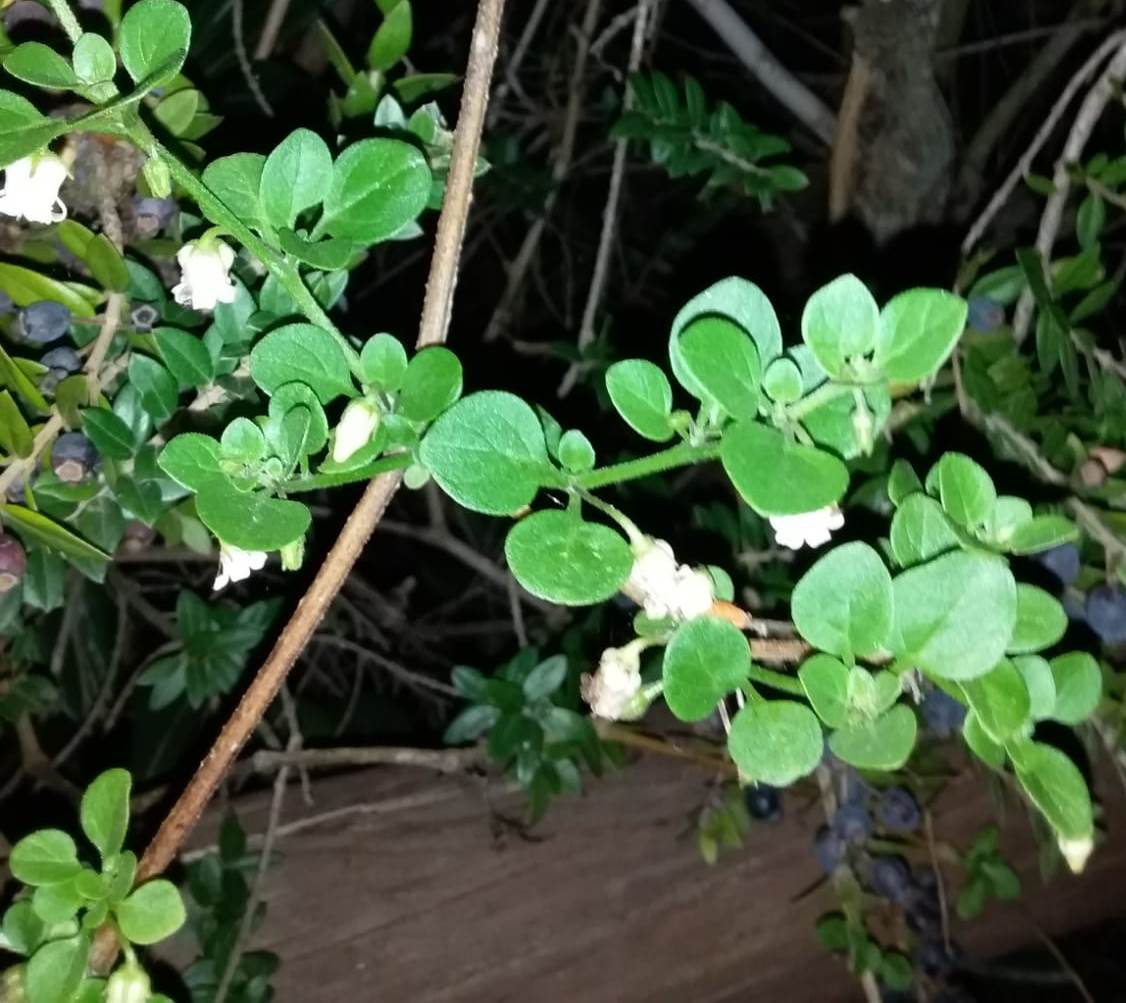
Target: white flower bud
1076,852
664,588
31,189
205,280
236,565
357,425
129,984
808,529
612,689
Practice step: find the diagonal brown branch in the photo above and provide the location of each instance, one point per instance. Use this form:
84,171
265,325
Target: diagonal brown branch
369,510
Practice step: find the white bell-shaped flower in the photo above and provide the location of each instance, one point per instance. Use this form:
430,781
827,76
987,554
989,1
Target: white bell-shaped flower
236,565
357,425
205,281
808,529
129,984
31,188
664,588
1076,852
616,684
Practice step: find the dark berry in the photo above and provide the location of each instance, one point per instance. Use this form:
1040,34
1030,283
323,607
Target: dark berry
44,322
985,314
153,214
1106,613
1061,561
17,490
63,358
13,562
829,849
898,811
6,304
852,823
763,802
73,457
944,715
890,878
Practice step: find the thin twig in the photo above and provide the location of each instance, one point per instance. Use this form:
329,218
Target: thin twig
373,503
1090,111
610,209
1042,136
1055,952
943,909
512,64
440,760
271,28
565,151
244,60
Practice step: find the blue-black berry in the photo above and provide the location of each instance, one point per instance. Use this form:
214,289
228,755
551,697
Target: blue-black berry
1062,561
153,214
898,810
63,358
144,317
763,802
852,823
890,878
13,562
44,322
829,849
1106,613
73,457
944,715
985,314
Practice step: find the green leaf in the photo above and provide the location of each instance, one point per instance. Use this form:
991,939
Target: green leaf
23,929
326,255
251,521
296,177
902,482
560,558
470,724
1042,533
840,321
393,38
742,303
1000,700
1008,514
723,362
918,331
843,604
50,533
154,39
15,433
1089,220
383,362
105,811
185,355
825,681
155,384
775,741
641,394
289,396
920,530
192,460
1079,687
378,187
1041,685
57,903
705,660
119,873
25,286
40,65
1057,788
981,744
417,85
576,454
242,441
545,678
301,353
954,616
431,384
57,969
93,58
1041,621
883,744
782,381
777,477
152,913
22,141
964,488
46,857
487,452
236,181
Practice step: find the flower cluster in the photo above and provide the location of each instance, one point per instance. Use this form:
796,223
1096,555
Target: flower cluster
808,529
31,188
236,565
614,692
664,588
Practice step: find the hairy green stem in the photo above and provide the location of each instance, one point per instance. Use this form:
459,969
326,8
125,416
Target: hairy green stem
394,461
676,456
65,16
777,680
822,395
